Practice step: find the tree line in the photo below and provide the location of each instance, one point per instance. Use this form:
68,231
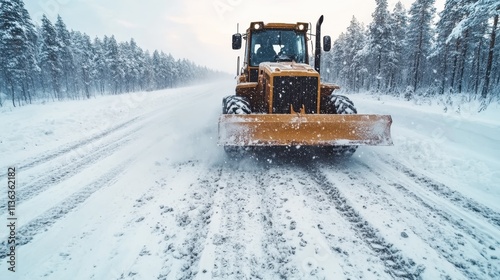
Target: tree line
49,61
414,52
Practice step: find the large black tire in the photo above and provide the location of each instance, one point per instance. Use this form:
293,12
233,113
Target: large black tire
236,105
343,105
339,104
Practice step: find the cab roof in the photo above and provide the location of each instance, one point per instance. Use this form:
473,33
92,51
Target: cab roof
259,25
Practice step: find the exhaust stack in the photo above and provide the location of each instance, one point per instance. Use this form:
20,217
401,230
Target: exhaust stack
317,51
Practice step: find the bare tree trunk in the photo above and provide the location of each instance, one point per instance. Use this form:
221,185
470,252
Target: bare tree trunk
13,97
455,62
462,62
416,71
478,64
417,62
445,70
10,83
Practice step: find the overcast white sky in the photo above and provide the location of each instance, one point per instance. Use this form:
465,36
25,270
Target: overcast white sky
199,30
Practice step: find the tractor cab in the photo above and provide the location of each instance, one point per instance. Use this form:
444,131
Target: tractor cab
272,42
275,45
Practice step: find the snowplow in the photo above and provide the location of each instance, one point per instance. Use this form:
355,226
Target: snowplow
280,101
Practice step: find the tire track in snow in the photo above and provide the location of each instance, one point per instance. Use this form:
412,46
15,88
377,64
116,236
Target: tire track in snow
292,240
41,224
65,171
397,265
186,241
230,238
336,236
91,155
279,251
61,151
448,245
153,214
254,234
445,191
487,268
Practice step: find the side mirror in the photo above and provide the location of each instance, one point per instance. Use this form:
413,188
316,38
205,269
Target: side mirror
236,41
327,43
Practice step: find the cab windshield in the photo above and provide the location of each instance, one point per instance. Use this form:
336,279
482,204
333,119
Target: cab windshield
277,45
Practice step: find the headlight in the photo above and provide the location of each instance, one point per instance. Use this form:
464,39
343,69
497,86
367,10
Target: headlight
301,26
256,25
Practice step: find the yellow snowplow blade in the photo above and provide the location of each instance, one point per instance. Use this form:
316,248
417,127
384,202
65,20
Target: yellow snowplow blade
304,130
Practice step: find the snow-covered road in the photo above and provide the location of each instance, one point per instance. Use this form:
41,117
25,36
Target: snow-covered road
135,187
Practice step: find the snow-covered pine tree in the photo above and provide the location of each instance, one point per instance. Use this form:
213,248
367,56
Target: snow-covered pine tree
347,60
188,70
396,63
479,52
481,12
148,75
127,63
114,62
467,54
157,70
140,62
171,67
165,72
380,45
460,47
420,42
17,50
356,55
101,71
50,57
66,55
133,57
445,48
83,57
32,68
336,65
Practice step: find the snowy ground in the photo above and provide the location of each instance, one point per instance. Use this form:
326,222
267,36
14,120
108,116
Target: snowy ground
135,187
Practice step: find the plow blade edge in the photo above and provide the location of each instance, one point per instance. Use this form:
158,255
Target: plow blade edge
304,130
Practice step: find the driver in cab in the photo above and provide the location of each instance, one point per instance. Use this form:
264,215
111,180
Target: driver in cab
265,52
